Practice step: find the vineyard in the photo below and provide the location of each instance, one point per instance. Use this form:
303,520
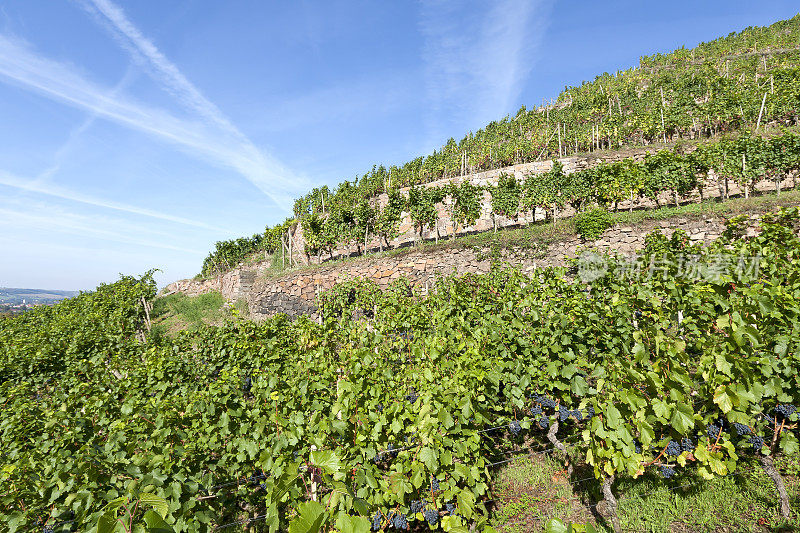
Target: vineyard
723,89
396,410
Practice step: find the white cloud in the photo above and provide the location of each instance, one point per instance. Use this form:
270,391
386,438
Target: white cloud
66,222
171,78
477,59
48,189
62,82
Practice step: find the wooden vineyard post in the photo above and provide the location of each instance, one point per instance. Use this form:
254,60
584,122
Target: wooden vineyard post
146,314
559,138
746,183
663,128
313,478
289,248
761,111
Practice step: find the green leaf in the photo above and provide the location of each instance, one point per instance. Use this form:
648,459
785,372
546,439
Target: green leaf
158,503
578,386
352,524
554,525
446,418
723,399
789,444
466,503
155,523
428,456
108,523
326,460
683,418
309,518
613,417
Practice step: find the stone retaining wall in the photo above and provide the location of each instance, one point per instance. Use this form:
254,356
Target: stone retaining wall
296,293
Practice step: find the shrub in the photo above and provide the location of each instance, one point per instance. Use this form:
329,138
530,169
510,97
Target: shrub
591,224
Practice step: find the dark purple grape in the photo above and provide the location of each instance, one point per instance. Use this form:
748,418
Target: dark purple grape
741,429
432,516
673,448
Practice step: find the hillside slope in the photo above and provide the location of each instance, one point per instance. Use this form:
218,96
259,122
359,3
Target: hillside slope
732,84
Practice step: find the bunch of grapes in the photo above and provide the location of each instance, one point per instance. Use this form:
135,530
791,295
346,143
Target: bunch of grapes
376,521
673,448
757,442
432,516
590,412
741,429
563,414
514,427
785,410
667,471
417,506
450,508
713,431
536,411
399,521
390,452
548,403
379,407
544,422
637,446
412,396
686,444
577,415
434,484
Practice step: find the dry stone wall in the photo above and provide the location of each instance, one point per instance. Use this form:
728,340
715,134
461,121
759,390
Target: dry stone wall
296,293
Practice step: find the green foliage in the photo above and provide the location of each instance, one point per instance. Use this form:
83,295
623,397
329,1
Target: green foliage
228,254
388,221
506,196
422,206
466,202
238,420
657,244
356,297
557,526
591,224
120,515
544,190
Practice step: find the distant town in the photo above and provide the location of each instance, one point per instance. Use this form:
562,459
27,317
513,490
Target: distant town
15,301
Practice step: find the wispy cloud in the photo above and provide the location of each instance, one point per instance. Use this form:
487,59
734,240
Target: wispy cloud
476,59
66,222
263,174
49,189
78,131
62,82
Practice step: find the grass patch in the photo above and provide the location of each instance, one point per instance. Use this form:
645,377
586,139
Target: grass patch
178,311
531,492
712,207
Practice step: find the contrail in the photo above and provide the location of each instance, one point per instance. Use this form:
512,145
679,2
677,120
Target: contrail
10,180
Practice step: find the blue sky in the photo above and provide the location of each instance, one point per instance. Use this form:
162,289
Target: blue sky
134,135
